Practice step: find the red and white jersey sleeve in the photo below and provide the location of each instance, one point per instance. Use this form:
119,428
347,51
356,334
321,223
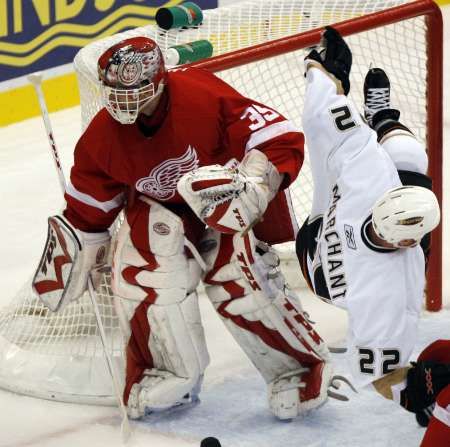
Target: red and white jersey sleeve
93,197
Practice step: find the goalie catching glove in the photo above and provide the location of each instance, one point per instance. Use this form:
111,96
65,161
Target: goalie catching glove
69,255
334,56
231,200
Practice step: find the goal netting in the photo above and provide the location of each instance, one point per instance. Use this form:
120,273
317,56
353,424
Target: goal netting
259,48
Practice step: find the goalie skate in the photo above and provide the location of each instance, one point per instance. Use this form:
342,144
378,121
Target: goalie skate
161,391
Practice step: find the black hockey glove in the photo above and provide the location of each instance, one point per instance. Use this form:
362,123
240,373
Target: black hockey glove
335,57
425,380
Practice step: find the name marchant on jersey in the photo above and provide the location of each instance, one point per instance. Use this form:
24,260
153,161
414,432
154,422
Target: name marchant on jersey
335,262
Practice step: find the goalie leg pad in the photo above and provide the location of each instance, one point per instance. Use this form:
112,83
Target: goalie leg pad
166,357
268,322
154,282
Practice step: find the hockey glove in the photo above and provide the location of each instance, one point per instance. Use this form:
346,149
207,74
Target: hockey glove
424,382
335,56
231,200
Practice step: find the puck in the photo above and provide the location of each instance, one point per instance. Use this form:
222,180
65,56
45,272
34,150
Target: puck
210,442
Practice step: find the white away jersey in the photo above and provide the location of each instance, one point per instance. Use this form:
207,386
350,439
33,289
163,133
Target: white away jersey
382,289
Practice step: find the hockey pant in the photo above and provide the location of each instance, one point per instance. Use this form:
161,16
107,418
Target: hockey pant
154,283
267,320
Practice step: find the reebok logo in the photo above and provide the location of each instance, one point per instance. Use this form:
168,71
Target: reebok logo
350,236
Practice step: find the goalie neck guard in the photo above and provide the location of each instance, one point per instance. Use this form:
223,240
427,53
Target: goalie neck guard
132,74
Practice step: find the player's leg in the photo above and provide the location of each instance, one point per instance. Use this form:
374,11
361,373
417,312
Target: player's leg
154,283
267,320
407,153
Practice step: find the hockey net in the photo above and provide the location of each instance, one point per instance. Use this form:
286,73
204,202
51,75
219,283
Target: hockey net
259,48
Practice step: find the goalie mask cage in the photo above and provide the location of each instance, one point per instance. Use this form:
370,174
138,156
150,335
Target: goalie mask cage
259,48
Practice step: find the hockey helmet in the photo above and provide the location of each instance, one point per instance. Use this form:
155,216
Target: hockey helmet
132,73
405,213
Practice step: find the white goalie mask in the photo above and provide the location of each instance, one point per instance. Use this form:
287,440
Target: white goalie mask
405,213
132,74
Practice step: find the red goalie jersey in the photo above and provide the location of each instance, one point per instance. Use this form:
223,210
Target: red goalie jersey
200,121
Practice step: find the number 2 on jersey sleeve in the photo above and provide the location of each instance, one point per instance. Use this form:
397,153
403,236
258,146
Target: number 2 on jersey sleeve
259,116
343,119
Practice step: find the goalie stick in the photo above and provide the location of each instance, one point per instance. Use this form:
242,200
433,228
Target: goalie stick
36,80
125,426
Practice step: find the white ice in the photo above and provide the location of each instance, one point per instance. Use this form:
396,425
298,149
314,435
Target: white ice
233,406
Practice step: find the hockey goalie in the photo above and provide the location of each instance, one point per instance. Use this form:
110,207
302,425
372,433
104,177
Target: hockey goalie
201,173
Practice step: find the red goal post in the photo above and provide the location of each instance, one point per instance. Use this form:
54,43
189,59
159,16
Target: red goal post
434,89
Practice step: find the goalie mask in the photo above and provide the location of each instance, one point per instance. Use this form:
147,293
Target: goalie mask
132,73
405,213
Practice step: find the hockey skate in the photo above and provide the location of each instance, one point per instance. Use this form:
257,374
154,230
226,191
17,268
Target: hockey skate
161,391
377,93
298,392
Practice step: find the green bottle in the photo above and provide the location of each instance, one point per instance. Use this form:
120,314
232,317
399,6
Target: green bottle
189,52
187,14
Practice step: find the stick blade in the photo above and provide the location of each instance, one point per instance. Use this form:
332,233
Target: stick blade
125,430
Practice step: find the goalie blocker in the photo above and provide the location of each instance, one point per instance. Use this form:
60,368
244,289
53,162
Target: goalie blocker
68,257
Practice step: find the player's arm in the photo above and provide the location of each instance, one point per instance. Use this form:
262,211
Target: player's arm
231,200
93,197
333,127
78,240
249,125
